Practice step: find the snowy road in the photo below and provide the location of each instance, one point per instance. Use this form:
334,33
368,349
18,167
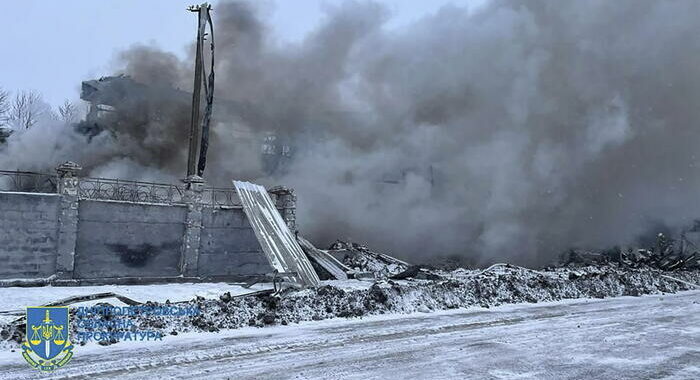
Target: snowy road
635,338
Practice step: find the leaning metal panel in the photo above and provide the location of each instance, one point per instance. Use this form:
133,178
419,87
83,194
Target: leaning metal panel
277,241
28,182
129,191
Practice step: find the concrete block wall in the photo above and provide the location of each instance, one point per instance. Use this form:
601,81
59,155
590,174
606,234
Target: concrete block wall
28,234
228,246
120,239
73,238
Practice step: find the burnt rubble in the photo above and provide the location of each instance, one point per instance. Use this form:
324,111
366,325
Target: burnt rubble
667,255
344,260
362,259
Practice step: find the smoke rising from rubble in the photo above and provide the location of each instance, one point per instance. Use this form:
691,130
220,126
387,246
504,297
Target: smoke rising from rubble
509,133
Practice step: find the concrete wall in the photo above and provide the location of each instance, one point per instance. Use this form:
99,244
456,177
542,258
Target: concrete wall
228,246
69,236
28,234
119,239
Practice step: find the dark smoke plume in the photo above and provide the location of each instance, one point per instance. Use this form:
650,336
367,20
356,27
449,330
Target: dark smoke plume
509,133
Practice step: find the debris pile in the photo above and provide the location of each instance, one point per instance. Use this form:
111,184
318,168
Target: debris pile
671,261
496,285
667,255
344,260
390,285
361,259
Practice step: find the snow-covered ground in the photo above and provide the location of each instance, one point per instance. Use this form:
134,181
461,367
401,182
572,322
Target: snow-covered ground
18,298
655,336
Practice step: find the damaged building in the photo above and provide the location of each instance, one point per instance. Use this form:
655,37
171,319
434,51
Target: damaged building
116,102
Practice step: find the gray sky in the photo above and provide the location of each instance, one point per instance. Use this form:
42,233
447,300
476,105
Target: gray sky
51,46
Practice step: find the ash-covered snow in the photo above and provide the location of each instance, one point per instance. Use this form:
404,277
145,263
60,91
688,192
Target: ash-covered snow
500,284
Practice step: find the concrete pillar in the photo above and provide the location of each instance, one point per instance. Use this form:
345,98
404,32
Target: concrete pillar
68,182
286,204
193,226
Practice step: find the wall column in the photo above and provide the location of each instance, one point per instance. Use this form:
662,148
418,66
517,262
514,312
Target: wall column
68,182
286,204
193,226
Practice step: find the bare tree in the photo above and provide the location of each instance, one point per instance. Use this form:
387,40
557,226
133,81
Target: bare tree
4,106
68,112
26,109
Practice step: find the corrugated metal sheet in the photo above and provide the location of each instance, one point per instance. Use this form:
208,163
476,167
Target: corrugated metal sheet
277,241
325,260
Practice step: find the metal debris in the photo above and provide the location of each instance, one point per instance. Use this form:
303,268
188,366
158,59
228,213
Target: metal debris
417,272
362,260
333,266
663,257
277,241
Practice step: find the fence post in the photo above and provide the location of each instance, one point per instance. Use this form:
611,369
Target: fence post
68,183
193,226
286,204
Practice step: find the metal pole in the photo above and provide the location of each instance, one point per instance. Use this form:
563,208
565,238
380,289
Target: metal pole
195,126
208,83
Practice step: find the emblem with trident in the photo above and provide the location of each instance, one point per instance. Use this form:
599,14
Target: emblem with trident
48,344
47,331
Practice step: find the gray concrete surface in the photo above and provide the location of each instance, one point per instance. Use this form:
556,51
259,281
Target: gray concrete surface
228,245
46,234
118,239
28,234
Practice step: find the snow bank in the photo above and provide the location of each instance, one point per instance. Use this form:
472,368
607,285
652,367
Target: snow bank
461,288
